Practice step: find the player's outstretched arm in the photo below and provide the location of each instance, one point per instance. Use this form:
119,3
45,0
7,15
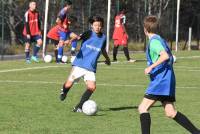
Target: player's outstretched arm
105,54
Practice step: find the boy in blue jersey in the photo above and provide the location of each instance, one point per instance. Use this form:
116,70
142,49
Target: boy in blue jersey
162,80
62,18
85,63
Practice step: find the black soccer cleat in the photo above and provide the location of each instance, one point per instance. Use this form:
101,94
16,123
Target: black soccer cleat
63,95
77,110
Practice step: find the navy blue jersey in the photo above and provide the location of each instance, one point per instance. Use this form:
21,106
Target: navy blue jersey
90,50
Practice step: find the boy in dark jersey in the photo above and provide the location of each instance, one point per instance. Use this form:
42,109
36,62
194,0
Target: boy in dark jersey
32,32
162,80
62,19
85,63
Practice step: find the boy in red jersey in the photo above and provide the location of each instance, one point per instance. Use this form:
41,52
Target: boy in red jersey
32,32
120,36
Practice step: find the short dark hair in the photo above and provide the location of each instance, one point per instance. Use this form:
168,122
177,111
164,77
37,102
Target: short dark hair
67,2
151,24
96,18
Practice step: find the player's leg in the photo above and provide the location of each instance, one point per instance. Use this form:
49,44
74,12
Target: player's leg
27,42
145,119
61,45
126,52
115,50
180,118
75,75
27,52
36,48
90,80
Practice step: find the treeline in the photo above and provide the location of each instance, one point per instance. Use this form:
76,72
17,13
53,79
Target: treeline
14,10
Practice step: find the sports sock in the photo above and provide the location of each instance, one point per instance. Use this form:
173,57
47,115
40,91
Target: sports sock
115,49
86,95
27,53
65,90
60,53
186,123
56,54
126,53
145,121
36,50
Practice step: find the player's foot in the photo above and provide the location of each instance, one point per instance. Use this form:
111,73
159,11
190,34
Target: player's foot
62,95
35,59
73,53
131,60
28,61
77,110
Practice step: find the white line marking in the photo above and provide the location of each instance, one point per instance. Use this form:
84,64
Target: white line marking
98,84
29,68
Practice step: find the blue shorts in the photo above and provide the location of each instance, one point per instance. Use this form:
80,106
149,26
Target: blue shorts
64,35
32,38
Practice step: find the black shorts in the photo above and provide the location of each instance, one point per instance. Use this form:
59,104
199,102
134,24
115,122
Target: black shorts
54,42
161,98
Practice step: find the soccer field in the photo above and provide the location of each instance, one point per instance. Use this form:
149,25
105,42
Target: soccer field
29,98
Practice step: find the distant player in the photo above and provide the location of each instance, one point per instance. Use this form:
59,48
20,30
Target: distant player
57,35
32,32
120,36
85,63
162,80
62,18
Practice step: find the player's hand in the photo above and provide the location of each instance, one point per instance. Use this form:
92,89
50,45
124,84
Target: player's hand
148,70
28,36
107,62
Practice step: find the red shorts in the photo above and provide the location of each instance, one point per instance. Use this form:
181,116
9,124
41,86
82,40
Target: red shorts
123,41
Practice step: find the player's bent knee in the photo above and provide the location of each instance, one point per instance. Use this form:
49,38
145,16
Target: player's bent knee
170,114
142,109
91,88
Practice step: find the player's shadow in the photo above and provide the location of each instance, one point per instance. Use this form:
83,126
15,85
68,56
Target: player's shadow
129,107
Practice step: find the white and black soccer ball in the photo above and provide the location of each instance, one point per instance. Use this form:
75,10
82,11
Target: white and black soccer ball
64,59
89,107
47,58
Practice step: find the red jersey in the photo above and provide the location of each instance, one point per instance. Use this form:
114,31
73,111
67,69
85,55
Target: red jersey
32,23
119,35
54,32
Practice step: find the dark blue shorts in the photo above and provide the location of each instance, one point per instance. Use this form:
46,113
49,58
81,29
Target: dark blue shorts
64,35
32,39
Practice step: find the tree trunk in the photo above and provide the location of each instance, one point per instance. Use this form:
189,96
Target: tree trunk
12,23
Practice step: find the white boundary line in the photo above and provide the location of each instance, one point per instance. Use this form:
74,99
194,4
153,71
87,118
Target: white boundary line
98,84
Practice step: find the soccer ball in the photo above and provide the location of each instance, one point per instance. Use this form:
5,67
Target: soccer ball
89,107
64,59
47,58
72,58
174,57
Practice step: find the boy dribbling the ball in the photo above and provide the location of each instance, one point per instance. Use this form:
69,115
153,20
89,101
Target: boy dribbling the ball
85,63
162,80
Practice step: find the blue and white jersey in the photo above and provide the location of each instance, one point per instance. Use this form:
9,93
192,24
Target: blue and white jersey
90,51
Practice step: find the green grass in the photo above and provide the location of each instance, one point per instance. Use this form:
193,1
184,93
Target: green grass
29,102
